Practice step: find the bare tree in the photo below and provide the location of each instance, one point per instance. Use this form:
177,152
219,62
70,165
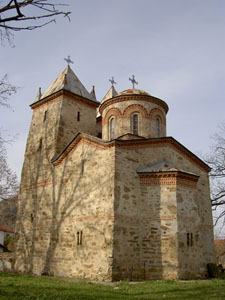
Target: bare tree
8,179
216,160
27,15
6,90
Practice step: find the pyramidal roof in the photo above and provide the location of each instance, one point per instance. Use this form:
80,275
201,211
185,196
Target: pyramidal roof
68,81
160,166
110,94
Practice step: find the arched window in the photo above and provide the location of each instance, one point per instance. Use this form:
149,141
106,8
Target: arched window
158,125
112,128
134,123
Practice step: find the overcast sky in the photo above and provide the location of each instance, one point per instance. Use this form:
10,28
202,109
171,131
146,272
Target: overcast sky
175,49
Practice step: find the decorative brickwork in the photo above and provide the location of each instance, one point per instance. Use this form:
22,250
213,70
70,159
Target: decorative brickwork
135,98
111,112
135,108
135,144
37,185
157,112
168,178
59,95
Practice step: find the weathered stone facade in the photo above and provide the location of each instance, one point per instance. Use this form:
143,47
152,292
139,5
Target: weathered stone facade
8,210
133,204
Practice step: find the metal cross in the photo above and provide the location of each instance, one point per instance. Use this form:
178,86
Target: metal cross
68,60
112,81
133,81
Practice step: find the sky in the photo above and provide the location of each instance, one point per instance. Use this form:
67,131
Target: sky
175,49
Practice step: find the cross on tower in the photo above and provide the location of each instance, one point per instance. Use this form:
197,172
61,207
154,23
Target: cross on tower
112,81
68,60
133,81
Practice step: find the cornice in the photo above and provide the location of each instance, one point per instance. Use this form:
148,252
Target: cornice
130,145
64,93
169,178
122,98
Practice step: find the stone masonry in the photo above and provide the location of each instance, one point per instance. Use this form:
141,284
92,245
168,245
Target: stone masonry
105,194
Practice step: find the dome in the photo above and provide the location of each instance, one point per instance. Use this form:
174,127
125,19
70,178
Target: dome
133,92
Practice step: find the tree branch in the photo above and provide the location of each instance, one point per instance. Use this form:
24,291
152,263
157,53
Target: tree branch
48,11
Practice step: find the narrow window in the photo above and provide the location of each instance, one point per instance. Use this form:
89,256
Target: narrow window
112,128
157,127
134,122
81,233
78,116
79,238
190,239
40,144
32,218
45,115
82,167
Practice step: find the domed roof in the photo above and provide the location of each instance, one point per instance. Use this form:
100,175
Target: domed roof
133,91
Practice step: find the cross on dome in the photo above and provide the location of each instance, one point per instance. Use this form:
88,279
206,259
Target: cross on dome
68,60
112,81
133,81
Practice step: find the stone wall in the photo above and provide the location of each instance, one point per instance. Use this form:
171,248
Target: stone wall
75,116
152,222
76,198
85,212
8,210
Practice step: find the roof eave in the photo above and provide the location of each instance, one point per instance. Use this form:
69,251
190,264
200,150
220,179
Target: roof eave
54,95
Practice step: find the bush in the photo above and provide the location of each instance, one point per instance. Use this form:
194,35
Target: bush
9,243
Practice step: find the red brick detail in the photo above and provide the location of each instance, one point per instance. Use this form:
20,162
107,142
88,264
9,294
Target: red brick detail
133,219
6,229
111,112
37,185
30,154
81,139
175,178
50,222
135,144
156,112
135,108
59,95
135,98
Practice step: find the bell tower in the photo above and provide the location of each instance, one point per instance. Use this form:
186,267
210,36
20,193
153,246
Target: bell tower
65,109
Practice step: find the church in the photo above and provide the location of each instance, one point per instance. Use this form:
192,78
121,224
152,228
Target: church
105,194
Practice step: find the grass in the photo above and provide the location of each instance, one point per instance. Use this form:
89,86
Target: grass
24,287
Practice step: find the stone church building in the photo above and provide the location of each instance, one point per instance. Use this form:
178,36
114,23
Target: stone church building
105,194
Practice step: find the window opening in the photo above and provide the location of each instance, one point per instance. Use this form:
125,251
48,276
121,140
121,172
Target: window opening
45,115
40,144
135,124
189,239
79,238
112,128
157,127
78,116
82,167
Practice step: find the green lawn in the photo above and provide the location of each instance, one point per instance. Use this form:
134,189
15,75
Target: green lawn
24,287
